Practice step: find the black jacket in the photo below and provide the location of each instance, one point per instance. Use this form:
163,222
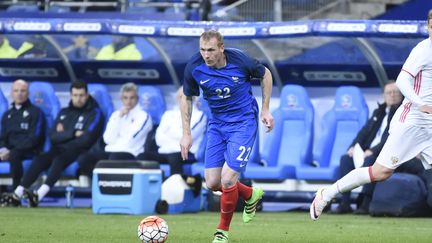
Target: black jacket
88,119
368,132
23,129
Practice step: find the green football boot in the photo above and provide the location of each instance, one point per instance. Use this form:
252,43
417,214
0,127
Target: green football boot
221,236
251,204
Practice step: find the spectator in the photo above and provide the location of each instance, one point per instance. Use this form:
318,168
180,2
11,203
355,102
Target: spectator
76,128
168,135
125,133
121,48
371,139
22,131
35,47
6,50
80,48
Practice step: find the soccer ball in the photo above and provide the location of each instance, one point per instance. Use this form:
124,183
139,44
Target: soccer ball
153,229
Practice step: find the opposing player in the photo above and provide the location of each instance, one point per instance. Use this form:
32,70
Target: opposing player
410,128
224,76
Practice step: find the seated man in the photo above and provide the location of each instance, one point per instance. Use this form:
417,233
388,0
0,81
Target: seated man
6,50
371,138
122,48
168,135
76,128
22,131
125,133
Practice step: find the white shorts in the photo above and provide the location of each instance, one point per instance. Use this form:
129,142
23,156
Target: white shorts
404,143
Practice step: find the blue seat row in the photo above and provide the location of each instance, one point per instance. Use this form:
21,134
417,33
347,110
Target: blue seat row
289,151
42,94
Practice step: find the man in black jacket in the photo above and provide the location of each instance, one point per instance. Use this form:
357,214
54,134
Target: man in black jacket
22,131
371,139
76,128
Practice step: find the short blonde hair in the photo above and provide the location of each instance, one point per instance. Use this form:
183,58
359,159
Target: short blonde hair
210,34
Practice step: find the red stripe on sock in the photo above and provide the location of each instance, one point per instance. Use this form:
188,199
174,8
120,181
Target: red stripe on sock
244,191
370,174
228,204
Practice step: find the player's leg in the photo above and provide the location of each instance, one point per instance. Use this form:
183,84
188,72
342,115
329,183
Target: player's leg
403,143
214,161
239,150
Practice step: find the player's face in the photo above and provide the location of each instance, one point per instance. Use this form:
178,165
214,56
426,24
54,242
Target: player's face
392,95
212,53
129,99
19,92
79,97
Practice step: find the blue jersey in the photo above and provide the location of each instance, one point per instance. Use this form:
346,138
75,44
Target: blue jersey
227,89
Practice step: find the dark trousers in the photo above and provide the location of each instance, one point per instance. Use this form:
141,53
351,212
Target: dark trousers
347,165
56,160
413,166
88,160
16,158
174,160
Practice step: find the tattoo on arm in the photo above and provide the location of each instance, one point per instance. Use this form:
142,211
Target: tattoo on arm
186,113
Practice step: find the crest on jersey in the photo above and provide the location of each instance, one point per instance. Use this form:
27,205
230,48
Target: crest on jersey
25,113
62,117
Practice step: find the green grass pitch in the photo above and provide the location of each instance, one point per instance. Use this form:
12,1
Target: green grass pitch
80,225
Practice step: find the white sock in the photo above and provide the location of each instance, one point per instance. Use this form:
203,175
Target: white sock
42,191
19,191
84,181
354,179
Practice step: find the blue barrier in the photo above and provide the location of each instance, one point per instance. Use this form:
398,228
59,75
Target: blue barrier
126,24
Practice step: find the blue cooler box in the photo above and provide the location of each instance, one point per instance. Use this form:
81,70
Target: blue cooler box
126,187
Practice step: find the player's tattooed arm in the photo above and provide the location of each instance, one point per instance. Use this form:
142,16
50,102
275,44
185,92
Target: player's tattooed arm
266,87
186,113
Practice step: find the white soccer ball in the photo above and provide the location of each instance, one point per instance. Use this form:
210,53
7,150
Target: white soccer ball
153,229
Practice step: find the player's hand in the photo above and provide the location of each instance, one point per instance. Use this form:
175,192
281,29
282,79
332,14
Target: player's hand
368,153
78,133
350,152
267,119
426,109
59,127
124,111
185,145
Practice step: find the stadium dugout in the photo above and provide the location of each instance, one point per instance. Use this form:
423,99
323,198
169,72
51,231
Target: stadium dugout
319,55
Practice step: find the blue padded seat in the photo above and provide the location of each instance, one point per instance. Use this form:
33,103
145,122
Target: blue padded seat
42,94
100,93
289,145
152,101
339,127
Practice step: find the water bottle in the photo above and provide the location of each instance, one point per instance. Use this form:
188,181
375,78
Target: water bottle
69,196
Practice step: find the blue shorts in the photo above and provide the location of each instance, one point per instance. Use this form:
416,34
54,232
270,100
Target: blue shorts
231,142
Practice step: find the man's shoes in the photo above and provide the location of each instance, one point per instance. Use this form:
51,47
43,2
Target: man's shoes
364,206
251,204
343,208
221,236
10,200
195,183
318,205
361,211
33,198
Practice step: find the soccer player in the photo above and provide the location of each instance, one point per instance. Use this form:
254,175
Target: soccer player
410,128
224,76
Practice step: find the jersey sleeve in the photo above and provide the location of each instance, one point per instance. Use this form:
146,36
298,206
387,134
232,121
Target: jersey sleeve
254,67
190,86
414,62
